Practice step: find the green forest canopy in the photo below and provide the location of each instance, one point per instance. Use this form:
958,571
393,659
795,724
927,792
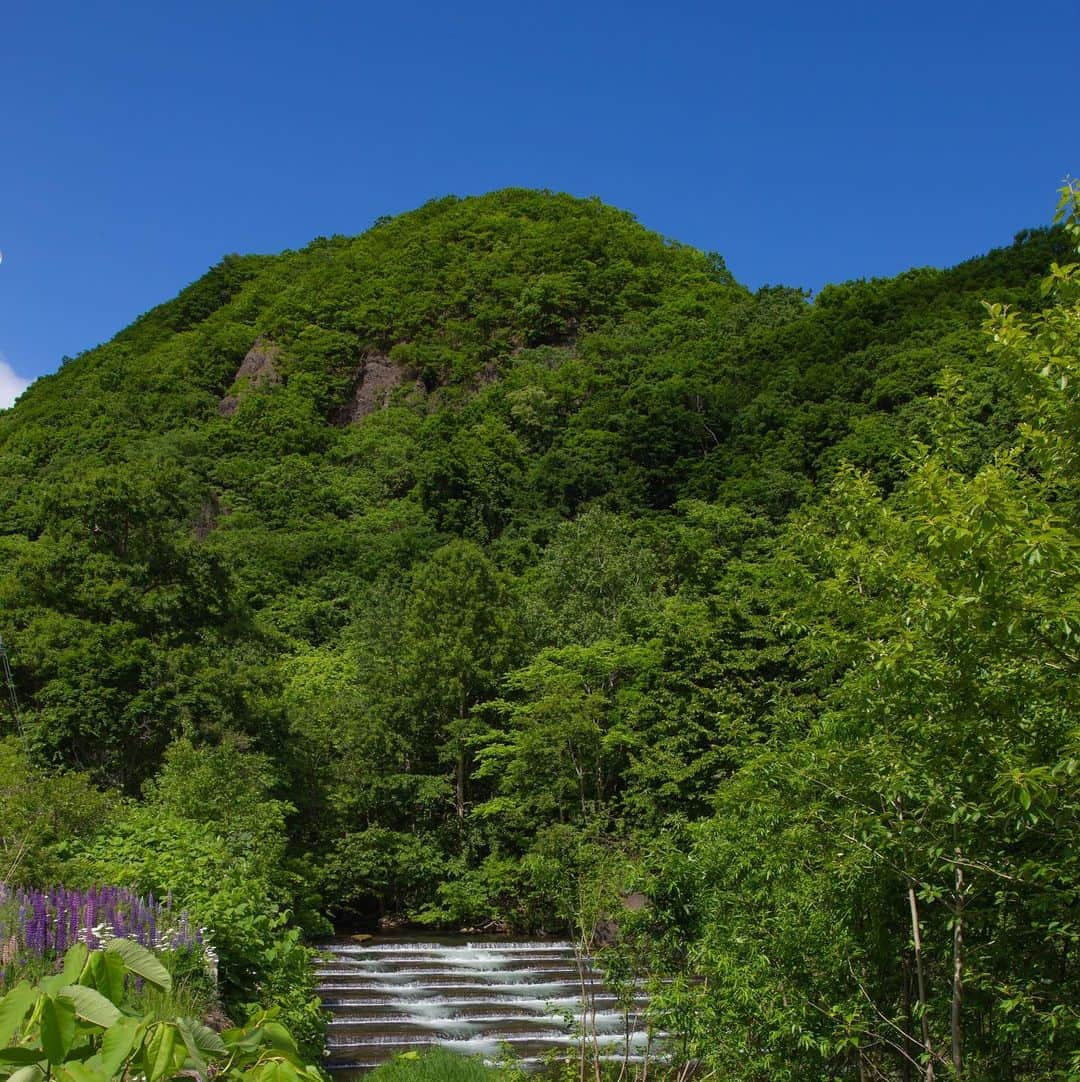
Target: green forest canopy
433,567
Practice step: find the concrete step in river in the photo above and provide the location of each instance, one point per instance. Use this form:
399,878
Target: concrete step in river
482,996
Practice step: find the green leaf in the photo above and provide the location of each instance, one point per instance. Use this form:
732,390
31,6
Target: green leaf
279,1037
206,1040
141,962
162,1055
74,962
20,1056
74,1071
57,1028
117,1043
13,1008
273,1071
195,1056
106,973
243,1040
91,1006
33,1073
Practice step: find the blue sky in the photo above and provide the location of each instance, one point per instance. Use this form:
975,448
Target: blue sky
806,143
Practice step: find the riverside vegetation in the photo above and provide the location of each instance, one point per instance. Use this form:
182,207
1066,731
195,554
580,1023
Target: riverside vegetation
508,560
78,1025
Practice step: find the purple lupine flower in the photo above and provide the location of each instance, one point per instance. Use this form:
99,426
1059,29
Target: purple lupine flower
50,921
35,927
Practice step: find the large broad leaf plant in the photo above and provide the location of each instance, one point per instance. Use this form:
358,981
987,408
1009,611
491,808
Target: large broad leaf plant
76,1026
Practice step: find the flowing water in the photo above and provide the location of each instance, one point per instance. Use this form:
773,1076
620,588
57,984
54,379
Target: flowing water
485,997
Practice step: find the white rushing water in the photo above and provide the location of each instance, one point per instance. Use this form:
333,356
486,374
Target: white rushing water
486,997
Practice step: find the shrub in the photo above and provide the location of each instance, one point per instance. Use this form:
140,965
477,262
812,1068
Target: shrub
79,1026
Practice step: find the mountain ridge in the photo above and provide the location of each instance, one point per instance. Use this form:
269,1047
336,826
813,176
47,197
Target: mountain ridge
221,485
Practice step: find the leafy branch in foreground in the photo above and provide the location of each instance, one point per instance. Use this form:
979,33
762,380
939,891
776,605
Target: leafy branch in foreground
74,1026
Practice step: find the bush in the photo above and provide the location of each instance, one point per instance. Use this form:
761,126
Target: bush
229,889
81,1025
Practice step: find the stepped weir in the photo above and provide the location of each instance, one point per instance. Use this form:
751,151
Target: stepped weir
493,997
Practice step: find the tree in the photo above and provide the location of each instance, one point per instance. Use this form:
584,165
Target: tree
559,749
894,892
457,640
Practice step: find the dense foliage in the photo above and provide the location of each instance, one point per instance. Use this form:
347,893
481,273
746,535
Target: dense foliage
441,571
84,1024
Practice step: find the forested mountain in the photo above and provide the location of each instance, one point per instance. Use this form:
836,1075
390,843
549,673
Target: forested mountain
437,572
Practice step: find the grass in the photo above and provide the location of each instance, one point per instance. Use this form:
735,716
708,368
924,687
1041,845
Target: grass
439,1065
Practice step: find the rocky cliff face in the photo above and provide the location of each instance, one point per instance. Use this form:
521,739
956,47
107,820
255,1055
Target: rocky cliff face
258,370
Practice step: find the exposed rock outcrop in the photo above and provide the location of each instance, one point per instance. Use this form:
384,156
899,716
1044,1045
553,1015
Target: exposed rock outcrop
257,370
379,376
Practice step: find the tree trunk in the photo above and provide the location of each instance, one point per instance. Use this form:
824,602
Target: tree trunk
958,969
927,1046
910,1044
460,788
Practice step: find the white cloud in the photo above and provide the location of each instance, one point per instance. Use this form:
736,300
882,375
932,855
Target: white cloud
11,384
